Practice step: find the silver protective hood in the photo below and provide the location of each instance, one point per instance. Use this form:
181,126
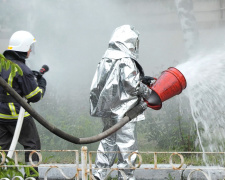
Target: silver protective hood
123,43
116,87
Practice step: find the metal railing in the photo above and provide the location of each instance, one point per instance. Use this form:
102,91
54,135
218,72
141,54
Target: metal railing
83,166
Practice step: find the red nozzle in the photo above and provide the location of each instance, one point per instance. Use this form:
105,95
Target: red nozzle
44,69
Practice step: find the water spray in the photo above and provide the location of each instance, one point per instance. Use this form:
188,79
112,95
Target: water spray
169,84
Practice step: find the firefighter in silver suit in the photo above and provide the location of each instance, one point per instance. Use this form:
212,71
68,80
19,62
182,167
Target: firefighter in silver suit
117,88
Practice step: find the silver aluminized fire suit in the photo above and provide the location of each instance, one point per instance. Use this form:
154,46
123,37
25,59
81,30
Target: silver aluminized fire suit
115,89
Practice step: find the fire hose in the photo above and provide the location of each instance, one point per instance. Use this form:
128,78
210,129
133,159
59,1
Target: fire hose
130,115
16,133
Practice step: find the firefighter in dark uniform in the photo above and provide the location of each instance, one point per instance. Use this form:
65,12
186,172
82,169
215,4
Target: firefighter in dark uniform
21,44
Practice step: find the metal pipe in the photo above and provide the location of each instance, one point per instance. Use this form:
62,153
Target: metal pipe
84,163
130,115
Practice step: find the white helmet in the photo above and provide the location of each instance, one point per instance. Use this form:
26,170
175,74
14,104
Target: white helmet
21,41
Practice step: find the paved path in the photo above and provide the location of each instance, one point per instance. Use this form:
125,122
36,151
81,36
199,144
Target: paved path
145,172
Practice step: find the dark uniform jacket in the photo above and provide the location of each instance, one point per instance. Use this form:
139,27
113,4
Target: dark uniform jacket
26,86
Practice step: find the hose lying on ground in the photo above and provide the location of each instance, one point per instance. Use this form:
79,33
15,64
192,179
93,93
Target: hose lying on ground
130,115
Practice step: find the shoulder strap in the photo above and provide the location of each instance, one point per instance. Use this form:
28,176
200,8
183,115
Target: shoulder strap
140,68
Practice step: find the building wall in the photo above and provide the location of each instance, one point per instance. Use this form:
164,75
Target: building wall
154,16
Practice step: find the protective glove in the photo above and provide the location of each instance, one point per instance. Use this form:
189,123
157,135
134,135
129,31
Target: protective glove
147,80
42,83
37,74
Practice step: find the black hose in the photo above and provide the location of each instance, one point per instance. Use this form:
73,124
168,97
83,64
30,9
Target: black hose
130,115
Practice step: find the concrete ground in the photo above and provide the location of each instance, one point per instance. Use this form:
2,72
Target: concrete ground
145,172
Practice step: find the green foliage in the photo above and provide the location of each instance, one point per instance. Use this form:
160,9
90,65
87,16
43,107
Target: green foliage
171,177
168,129
10,172
7,64
109,178
73,119
31,172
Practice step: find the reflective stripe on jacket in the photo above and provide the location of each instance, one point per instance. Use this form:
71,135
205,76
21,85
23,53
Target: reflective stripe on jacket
26,86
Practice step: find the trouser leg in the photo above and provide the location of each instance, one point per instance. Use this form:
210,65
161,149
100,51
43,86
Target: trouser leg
106,152
126,142
29,138
5,137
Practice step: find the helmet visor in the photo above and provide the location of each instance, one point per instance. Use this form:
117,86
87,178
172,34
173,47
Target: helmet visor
32,48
